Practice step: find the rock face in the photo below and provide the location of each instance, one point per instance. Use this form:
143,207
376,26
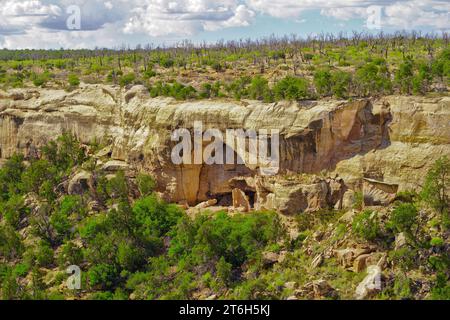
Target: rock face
393,140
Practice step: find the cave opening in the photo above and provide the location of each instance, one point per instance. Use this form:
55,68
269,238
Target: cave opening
251,198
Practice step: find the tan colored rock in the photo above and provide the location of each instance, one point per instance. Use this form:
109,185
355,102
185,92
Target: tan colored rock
346,257
269,258
393,139
115,165
240,200
378,193
322,288
80,183
360,262
206,204
348,200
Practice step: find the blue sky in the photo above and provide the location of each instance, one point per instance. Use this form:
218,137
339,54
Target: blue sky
111,23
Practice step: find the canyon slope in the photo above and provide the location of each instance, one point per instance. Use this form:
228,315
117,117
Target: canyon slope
379,144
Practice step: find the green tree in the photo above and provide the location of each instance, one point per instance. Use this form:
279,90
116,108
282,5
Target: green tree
341,82
224,269
435,191
323,82
146,184
155,217
259,89
404,75
14,210
11,245
372,79
403,218
291,88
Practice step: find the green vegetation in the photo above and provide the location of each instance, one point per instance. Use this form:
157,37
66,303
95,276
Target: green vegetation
366,225
268,69
136,244
436,190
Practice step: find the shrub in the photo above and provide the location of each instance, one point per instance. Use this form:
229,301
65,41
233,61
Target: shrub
291,88
322,82
206,91
259,89
403,258
402,286
61,224
406,196
14,210
441,289
117,187
40,80
235,238
366,225
43,255
238,88
223,270
73,80
372,79
102,275
11,245
70,254
437,184
404,76
156,217
403,218
437,242
127,79
341,82
358,200
146,184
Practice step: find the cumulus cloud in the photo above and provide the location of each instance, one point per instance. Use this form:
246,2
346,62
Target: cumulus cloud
43,23
168,17
405,14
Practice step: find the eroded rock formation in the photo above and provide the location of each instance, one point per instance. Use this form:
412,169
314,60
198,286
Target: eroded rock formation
392,140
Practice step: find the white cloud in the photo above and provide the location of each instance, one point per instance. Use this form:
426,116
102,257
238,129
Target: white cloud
407,14
42,23
169,17
28,7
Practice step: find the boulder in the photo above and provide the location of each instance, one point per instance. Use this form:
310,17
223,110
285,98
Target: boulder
115,165
323,289
378,193
371,283
348,200
80,183
206,204
346,257
270,258
240,200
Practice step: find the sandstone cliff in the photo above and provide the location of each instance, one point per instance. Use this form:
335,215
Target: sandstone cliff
392,139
